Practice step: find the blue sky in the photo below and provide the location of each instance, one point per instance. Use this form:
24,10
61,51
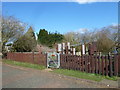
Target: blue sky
63,16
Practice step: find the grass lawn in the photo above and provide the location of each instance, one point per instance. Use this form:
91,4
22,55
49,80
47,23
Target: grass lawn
29,65
83,75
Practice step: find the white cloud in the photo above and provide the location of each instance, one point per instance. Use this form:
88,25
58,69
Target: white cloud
82,30
91,1
114,24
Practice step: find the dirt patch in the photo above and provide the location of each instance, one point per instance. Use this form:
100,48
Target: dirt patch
48,69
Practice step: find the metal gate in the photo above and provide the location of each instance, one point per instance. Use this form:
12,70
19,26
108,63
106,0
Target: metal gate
53,60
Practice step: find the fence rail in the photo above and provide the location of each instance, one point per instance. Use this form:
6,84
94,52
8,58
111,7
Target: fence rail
104,65
34,58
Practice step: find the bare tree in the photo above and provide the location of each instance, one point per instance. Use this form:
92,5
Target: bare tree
12,29
107,38
70,37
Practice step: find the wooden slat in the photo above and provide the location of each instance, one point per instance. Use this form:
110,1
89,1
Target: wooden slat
79,63
86,63
102,58
72,62
92,64
110,65
116,65
106,65
82,63
99,65
96,65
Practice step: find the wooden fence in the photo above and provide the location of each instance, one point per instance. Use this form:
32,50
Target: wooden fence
104,65
30,57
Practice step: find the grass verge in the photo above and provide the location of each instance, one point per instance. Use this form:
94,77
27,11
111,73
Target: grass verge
23,64
83,75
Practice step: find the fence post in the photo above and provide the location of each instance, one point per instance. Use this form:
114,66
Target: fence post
65,61
116,65
86,59
89,64
96,64
66,50
61,61
102,58
99,64
106,65
82,63
93,64
33,56
110,65
71,63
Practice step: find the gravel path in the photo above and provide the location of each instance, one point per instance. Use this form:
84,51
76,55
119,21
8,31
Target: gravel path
20,77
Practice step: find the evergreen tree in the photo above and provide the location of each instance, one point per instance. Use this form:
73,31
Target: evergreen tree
43,36
26,43
30,33
49,39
